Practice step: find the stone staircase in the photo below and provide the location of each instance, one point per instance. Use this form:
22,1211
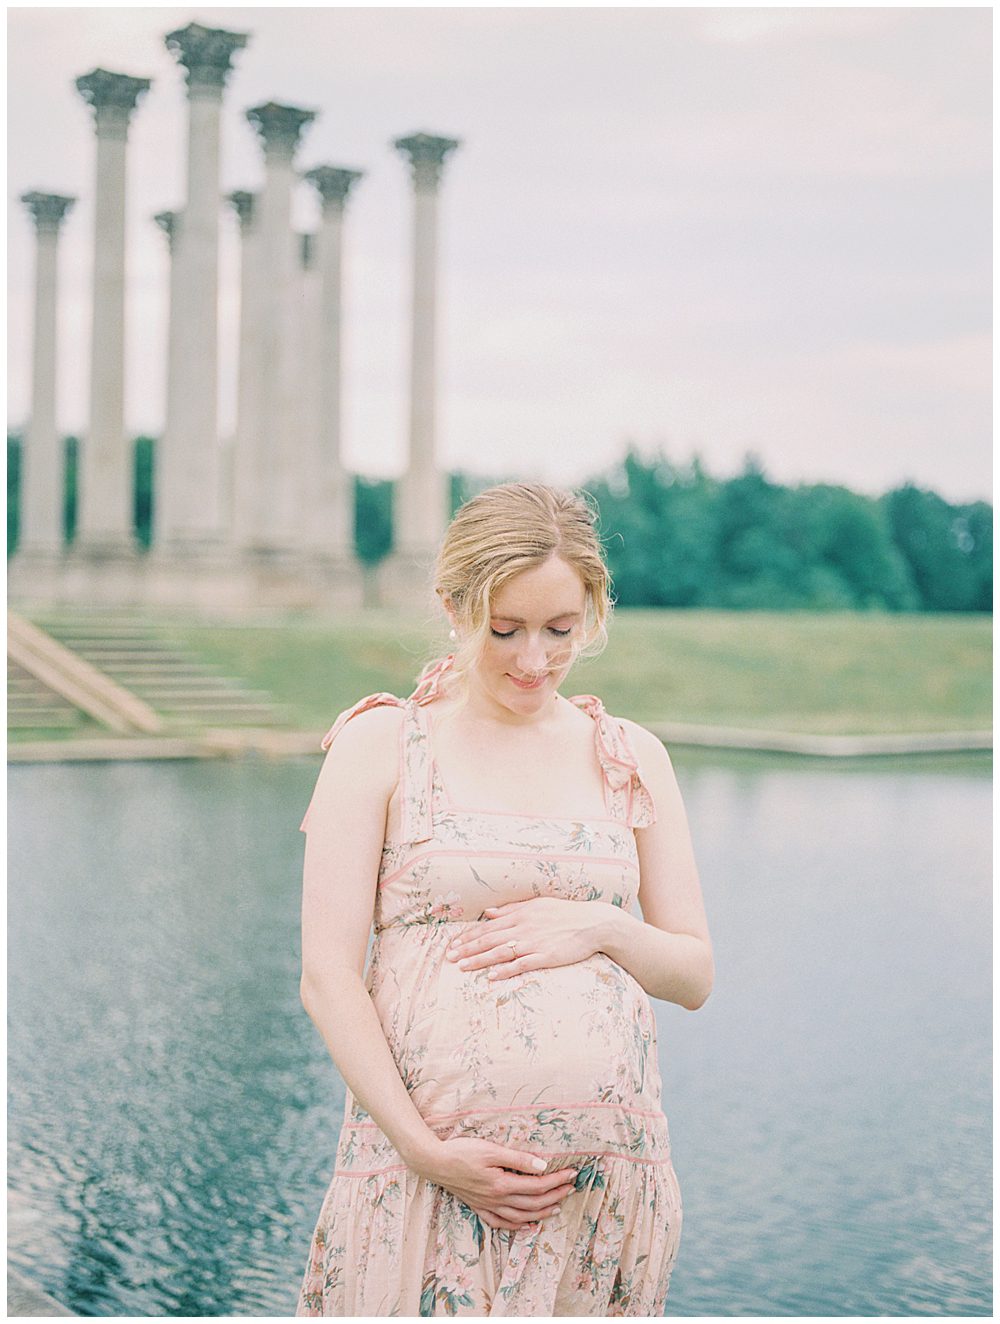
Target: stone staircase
139,655
31,705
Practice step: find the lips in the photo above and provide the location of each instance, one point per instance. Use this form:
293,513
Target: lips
527,684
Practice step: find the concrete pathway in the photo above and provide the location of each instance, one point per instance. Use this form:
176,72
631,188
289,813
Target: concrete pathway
269,743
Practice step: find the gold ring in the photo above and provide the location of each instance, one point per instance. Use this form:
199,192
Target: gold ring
513,948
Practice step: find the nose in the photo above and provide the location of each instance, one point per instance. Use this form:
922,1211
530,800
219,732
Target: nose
532,657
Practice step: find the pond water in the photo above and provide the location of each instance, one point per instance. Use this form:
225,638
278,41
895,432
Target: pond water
173,1114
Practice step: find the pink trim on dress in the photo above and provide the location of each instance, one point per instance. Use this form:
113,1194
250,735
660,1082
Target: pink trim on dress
520,1108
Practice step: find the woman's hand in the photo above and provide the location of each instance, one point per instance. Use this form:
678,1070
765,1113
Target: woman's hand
531,935
476,1171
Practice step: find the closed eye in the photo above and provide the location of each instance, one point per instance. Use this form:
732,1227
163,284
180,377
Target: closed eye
499,634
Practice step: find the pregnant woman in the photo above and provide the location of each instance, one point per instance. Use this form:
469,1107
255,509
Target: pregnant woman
504,1148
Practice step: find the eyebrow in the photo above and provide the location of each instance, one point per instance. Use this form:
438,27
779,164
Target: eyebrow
517,620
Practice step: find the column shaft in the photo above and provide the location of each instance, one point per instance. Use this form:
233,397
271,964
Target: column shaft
41,516
334,510
106,519
279,525
337,526
308,353
191,509
422,505
166,479
424,510
248,476
189,512
105,507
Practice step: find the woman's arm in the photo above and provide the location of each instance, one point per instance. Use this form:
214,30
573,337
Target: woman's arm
669,950
340,874
506,1187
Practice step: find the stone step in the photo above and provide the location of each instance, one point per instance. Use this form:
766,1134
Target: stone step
42,719
100,657
140,656
174,696
125,624
87,633
27,699
30,704
20,684
143,672
259,714
181,675
102,636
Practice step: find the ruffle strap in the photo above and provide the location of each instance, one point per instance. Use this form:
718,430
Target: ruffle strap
627,796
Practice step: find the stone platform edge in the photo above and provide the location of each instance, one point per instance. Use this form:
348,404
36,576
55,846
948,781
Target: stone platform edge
268,743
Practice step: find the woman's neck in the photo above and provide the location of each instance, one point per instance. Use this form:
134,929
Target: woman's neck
476,704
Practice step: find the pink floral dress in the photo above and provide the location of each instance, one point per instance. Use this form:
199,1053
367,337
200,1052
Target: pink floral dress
561,1062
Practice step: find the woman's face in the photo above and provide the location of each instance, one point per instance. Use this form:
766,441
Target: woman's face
536,618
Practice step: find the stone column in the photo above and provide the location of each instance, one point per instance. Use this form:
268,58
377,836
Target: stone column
305,349
332,525
169,223
422,497
42,469
188,487
247,465
105,510
279,529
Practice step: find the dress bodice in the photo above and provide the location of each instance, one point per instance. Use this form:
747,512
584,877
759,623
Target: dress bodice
444,863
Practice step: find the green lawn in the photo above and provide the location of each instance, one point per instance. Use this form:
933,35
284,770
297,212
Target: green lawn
836,673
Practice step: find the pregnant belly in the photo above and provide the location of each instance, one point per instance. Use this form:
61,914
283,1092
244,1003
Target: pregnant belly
580,1034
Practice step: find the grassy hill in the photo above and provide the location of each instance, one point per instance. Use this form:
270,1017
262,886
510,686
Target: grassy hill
833,673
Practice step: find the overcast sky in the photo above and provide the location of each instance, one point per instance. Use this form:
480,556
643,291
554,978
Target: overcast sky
711,230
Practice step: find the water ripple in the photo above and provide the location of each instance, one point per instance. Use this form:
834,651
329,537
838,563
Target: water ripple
173,1115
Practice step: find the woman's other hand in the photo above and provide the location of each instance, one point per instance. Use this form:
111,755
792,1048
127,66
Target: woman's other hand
476,1171
533,934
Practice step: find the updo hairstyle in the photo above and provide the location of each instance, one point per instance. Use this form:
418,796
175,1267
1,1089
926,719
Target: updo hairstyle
503,531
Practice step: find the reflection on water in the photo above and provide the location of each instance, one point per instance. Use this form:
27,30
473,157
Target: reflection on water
173,1114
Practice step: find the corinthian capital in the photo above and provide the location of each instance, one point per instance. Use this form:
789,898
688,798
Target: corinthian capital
112,96
279,126
205,53
48,210
427,154
333,184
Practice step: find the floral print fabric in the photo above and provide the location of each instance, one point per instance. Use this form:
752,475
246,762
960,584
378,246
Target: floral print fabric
561,1062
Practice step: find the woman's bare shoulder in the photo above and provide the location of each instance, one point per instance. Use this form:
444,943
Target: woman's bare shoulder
369,740
649,749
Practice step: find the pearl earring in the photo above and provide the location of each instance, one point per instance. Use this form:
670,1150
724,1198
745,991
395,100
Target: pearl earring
452,634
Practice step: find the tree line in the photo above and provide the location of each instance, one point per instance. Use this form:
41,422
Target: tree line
676,536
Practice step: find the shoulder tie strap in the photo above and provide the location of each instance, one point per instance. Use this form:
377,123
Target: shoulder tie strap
362,706
429,684
625,793
414,762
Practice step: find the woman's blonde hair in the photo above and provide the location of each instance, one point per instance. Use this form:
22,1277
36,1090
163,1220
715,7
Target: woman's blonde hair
503,531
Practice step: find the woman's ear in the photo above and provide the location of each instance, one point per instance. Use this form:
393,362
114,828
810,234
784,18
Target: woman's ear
449,607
